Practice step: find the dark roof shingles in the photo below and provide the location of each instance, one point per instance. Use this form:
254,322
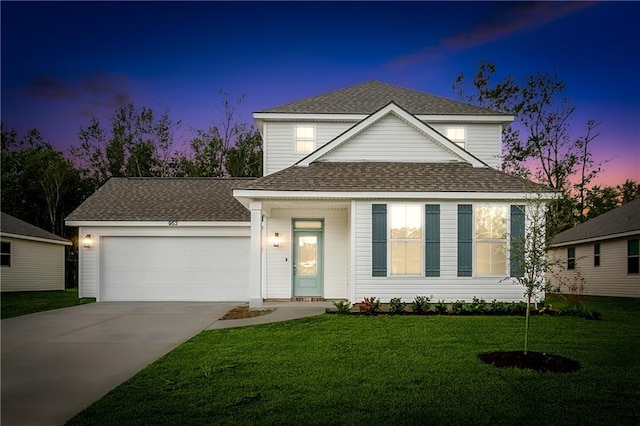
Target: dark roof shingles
625,218
164,199
367,98
393,177
15,226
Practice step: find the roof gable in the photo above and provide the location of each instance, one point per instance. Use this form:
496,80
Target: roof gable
434,142
164,199
366,98
19,228
622,220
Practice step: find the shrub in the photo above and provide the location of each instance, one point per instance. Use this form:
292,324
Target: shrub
342,307
581,311
420,305
440,307
369,306
456,307
396,305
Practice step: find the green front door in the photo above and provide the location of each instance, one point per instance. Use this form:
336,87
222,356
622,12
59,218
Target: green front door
307,264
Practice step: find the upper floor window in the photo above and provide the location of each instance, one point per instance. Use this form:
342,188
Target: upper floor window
571,258
305,139
457,135
633,257
596,255
5,254
491,240
406,239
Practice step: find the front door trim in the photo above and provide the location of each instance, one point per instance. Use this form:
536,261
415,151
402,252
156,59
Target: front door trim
311,285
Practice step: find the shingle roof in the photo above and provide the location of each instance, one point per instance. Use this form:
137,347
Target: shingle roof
393,177
15,226
625,218
164,199
367,98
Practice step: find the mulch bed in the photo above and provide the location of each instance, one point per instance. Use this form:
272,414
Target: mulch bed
538,361
243,312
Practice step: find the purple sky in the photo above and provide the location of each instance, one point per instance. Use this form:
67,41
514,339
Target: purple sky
63,62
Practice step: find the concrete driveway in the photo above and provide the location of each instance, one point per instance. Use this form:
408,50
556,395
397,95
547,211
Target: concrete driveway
56,363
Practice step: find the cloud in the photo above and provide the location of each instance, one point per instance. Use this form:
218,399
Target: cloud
516,18
48,87
93,92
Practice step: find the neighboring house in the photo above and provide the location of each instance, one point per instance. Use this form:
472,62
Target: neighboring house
372,190
601,255
31,258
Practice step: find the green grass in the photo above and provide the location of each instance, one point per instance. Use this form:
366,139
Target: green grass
337,369
27,302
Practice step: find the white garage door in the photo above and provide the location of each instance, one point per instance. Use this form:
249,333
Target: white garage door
174,268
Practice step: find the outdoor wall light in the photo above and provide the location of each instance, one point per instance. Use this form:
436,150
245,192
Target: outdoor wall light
87,241
276,240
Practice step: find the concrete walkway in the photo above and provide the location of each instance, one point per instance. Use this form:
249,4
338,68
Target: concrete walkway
56,363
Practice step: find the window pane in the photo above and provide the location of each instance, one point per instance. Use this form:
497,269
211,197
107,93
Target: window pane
398,263
483,222
307,224
308,255
406,258
303,132
414,222
498,259
398,221
491,222
633,265
456,134
414,257
633,248
491,258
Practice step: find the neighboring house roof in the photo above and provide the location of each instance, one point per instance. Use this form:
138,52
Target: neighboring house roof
620,221
367,98
164,199
13,226
393,177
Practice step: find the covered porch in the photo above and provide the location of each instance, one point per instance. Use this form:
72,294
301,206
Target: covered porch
300,249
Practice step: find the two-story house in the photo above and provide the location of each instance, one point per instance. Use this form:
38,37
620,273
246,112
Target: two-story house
372,190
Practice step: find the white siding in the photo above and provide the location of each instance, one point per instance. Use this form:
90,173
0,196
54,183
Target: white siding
89,266
448,286
483,140
336,246
34,266
608,279
391,139
281,142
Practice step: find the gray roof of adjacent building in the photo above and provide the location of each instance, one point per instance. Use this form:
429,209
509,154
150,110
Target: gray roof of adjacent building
14,226
394,177
619,221
367,98
164,199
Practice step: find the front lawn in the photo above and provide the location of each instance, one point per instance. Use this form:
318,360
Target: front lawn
336,369
27,302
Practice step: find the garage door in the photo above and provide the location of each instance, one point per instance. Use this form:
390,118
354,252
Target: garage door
174,268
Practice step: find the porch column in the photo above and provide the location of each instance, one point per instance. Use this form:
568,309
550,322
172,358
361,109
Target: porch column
255,261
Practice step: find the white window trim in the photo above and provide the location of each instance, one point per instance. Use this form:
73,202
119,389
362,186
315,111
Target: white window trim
507,240
313,140
390,273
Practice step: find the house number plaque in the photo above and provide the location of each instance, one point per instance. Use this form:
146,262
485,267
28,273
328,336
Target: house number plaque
173,223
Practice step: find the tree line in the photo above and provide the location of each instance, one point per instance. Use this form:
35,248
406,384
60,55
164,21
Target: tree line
42,185
541,145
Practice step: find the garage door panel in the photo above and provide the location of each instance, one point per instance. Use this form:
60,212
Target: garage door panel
174,268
